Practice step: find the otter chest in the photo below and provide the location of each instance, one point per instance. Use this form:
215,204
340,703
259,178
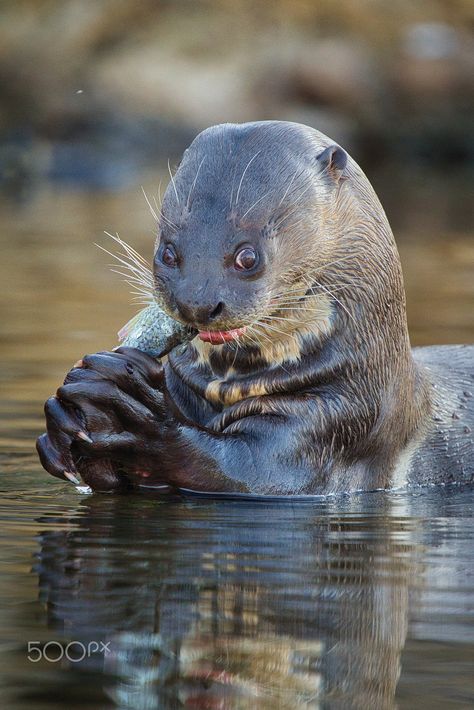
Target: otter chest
222,389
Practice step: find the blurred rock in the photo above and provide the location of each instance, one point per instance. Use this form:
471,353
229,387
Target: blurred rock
435,62
93,91
194,91
336,72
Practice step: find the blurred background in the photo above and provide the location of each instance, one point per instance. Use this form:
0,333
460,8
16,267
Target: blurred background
97,95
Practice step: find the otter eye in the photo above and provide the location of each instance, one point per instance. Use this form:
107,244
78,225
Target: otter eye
245,259
169,256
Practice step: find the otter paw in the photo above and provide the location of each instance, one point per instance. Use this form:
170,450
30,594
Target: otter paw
134,373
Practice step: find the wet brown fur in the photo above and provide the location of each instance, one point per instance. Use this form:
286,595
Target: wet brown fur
371,403
341,239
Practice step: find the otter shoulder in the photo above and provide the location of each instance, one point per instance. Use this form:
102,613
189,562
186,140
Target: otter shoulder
457,357
446,453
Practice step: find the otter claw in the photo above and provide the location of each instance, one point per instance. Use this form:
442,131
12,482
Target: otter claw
71,477
82,435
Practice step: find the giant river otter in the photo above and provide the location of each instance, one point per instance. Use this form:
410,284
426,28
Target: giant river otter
301,379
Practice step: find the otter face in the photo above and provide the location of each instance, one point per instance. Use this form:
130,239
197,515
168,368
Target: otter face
211,274
231,224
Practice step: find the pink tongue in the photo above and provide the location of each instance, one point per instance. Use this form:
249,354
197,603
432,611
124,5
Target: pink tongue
220,336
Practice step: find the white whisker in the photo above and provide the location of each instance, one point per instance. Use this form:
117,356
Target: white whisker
129,249
243,175
277,330
134,269
262,335
145,276
289,185
339,302
255,203
154,214
173,182
194,184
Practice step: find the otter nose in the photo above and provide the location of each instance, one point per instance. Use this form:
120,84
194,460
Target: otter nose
199,314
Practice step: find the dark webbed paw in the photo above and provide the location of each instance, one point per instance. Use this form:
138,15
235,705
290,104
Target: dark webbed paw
106,421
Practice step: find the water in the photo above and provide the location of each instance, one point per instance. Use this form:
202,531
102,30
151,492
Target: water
140,602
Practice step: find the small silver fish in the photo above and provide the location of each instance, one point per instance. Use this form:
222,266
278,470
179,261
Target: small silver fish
153,332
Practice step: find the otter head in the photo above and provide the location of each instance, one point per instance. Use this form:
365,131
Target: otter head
271,234
241,221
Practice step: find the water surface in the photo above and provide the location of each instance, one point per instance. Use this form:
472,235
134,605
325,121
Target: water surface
358,602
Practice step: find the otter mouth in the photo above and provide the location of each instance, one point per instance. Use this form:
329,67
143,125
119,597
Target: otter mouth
217,337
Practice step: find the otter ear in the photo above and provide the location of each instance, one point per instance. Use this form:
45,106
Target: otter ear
333,160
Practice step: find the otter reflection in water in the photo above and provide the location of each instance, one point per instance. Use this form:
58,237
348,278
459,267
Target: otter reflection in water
211,605
301,380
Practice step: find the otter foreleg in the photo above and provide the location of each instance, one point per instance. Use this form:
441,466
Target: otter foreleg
120,399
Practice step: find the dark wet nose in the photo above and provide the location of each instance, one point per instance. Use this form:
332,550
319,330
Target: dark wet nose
199,314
